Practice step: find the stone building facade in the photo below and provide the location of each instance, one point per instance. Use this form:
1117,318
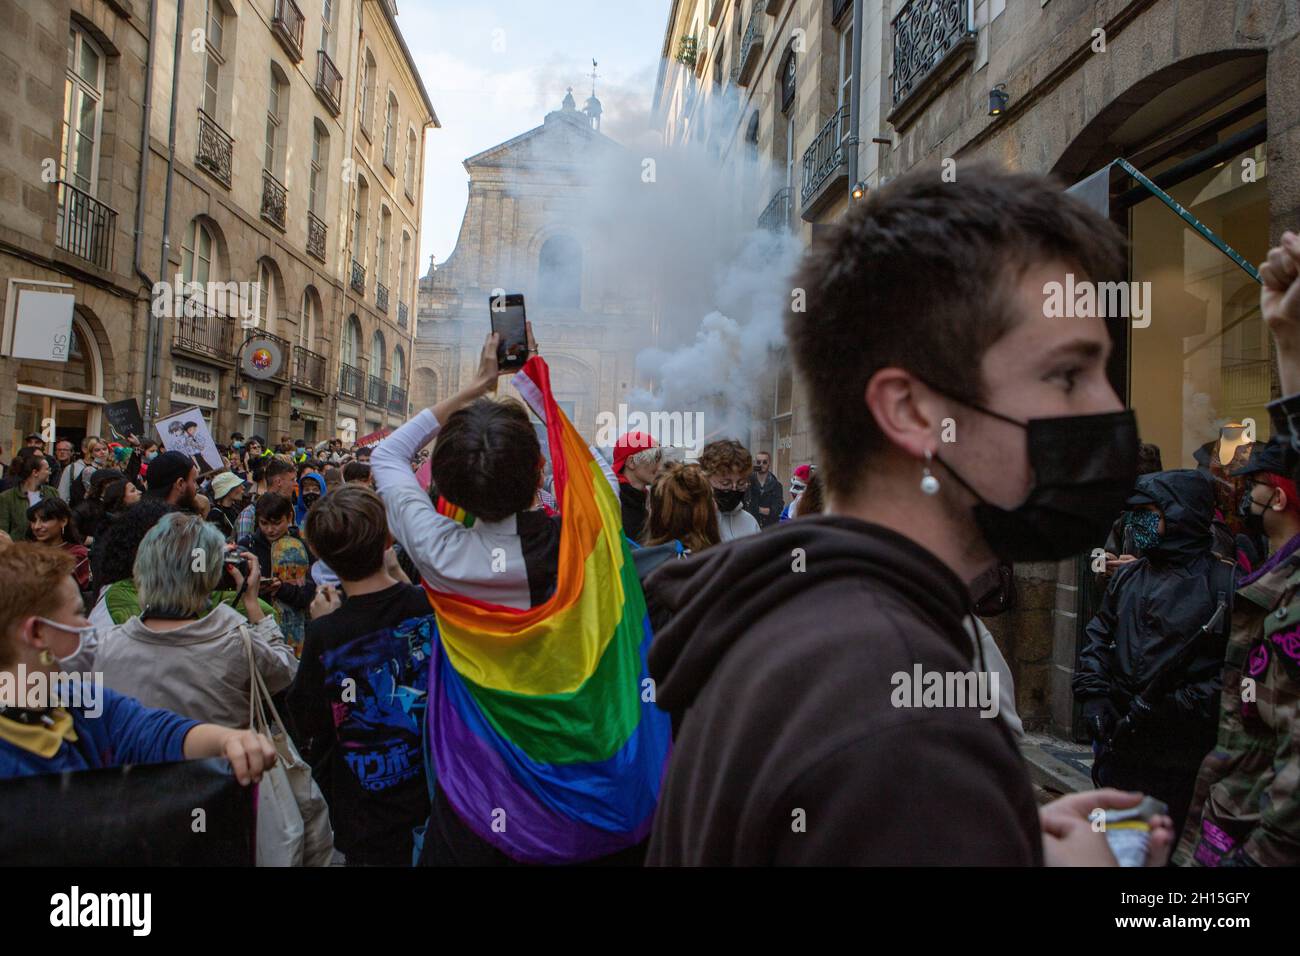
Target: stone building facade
527,228
298,137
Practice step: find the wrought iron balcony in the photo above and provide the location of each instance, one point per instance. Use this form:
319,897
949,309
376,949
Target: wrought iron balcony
85,226
351,381
381,297
275,200
751,47
776,217
403,315
376,391
216,149
825,155
358,278
317,232
925,33
204,330
287,27
329,82
397,399
308,369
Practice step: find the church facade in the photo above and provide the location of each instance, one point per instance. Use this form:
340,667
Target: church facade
527,228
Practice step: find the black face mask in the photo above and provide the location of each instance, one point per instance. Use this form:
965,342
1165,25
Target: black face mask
727,500
1253,523
1085,467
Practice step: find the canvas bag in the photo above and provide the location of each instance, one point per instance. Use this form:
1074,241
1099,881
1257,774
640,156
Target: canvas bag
293,823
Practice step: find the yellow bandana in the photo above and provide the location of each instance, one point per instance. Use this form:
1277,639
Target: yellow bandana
42,741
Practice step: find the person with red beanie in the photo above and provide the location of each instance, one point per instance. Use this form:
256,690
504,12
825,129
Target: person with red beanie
636,460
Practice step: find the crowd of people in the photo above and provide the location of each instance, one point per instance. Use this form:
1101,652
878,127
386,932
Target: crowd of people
775,621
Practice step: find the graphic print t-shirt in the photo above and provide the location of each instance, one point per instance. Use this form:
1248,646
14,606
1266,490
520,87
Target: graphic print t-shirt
356,702
291,564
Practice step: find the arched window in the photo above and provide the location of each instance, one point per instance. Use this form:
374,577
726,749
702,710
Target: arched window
404,268
412,154
390,134
398,374
83,96
377,355
351,350
268,296
789,76
277,110
197,252
318,185
369,78
381,246
307,315
559,273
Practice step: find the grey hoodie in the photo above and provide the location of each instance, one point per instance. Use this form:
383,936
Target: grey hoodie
199,670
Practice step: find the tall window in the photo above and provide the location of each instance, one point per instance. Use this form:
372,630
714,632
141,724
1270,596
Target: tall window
196,253
789,74
390,133
377,355
412,154
318,182
83,95
369,77
844,95
404,267
214,58
307,319
351,341
381,248
359,221
276,106
267,297
327,27
398,372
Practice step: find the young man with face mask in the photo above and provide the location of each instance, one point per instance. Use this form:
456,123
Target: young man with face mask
780,655
1154,607
1245,808
727,465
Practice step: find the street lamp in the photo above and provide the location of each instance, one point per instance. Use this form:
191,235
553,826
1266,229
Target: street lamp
998,97
859,190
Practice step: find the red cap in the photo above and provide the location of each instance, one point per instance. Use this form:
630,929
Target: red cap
627,446
804,473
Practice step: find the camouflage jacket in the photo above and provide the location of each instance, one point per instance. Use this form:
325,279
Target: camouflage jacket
1247,797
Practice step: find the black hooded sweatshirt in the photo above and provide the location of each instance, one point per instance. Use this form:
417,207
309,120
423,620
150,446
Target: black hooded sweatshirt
775,655
1151,608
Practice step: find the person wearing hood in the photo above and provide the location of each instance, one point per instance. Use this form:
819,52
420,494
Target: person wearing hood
311,489
184,652
792,662
727,465
1153,607
227,502
1245,808
636,462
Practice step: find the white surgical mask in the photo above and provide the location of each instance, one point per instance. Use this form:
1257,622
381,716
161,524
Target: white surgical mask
81,633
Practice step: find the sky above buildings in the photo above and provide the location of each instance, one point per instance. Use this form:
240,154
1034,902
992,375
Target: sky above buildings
494,68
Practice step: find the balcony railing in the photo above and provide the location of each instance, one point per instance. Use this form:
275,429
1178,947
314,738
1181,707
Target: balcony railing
317,232
85,226
376,392
329,82
925,32
215,149
397,399
275,200
204,330
403,315
751,47
308,369
776,217
381,297
287,27
358,278
825,155
351,381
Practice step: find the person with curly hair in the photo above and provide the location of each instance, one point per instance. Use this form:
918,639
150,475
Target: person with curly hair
727,465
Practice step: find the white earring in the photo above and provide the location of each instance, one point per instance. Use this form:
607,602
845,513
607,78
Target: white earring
929,483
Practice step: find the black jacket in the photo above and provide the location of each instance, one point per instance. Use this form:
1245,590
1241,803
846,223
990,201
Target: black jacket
778,667
765,494
1151,607
635,509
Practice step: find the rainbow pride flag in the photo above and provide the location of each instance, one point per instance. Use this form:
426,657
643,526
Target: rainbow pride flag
543,731
454,512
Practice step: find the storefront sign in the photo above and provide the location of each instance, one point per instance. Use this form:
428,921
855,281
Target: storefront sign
262,358
43,326
195,384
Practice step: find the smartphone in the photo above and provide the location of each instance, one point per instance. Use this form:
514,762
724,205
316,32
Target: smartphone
509,321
